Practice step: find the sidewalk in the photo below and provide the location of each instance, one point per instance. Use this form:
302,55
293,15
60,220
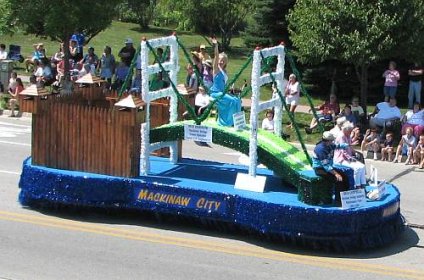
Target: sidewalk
247,103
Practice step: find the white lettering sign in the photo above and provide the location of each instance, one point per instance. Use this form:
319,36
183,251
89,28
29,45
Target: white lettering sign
381,189
353,198
239,119
198,133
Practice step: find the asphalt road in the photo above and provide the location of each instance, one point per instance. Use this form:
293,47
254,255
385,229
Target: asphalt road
38,244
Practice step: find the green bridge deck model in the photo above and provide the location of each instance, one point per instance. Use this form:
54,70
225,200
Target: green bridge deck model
276,154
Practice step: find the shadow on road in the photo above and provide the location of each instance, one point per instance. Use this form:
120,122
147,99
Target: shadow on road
406,240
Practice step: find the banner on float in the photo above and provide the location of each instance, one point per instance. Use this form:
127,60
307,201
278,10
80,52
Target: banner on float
239,120
198,133
168,199
353,198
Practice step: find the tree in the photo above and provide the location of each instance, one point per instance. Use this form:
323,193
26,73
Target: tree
58,20
138,11
357,32
217,17
268,25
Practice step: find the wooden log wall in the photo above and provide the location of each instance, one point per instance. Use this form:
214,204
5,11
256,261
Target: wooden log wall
85,138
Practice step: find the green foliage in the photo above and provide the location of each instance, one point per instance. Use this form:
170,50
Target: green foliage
359,32
214,17
137,11
268,25
59,19
169,13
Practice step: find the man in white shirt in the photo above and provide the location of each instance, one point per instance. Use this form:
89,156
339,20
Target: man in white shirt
3,52
386,111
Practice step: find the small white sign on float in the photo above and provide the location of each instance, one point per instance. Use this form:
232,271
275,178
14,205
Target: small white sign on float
198,133
353,198
239,120
250,183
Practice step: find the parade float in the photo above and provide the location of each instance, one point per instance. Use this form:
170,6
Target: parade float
94,150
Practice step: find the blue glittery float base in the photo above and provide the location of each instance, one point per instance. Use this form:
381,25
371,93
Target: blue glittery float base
205,190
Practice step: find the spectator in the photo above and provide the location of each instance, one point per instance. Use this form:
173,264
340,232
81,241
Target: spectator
326,113
201,102
292,94
322,163
385,111
406,146
12,102
419,152
203,55
127,53
391,77
268,122
347,113
121,73
197,62
38,73
357,109
191,80
38,54
60,70
335,131
415,119
207,74
90,61
12,82
136,83
47,77
3,52
415,74
371,142
74,53
79,38
58,56
107,65
356,136
227,105
387,147
344,155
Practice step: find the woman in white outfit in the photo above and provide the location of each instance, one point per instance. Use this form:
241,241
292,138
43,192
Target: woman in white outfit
345,156
292,94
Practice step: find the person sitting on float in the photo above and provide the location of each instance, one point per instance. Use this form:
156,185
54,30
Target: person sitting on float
345,156
322,163
201,101
227,104
268,122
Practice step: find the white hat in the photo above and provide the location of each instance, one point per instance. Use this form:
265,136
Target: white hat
347,126
341,120
202,46
128,41
327,135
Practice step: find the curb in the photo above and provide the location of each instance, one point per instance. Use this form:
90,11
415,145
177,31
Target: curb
6,113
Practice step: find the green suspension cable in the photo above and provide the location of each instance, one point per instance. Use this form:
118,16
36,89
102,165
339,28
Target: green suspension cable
179,96
303,89
291,116
227,86
196,69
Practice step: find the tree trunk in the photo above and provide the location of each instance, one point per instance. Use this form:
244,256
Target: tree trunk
333,89
361,71
66,83
364,85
